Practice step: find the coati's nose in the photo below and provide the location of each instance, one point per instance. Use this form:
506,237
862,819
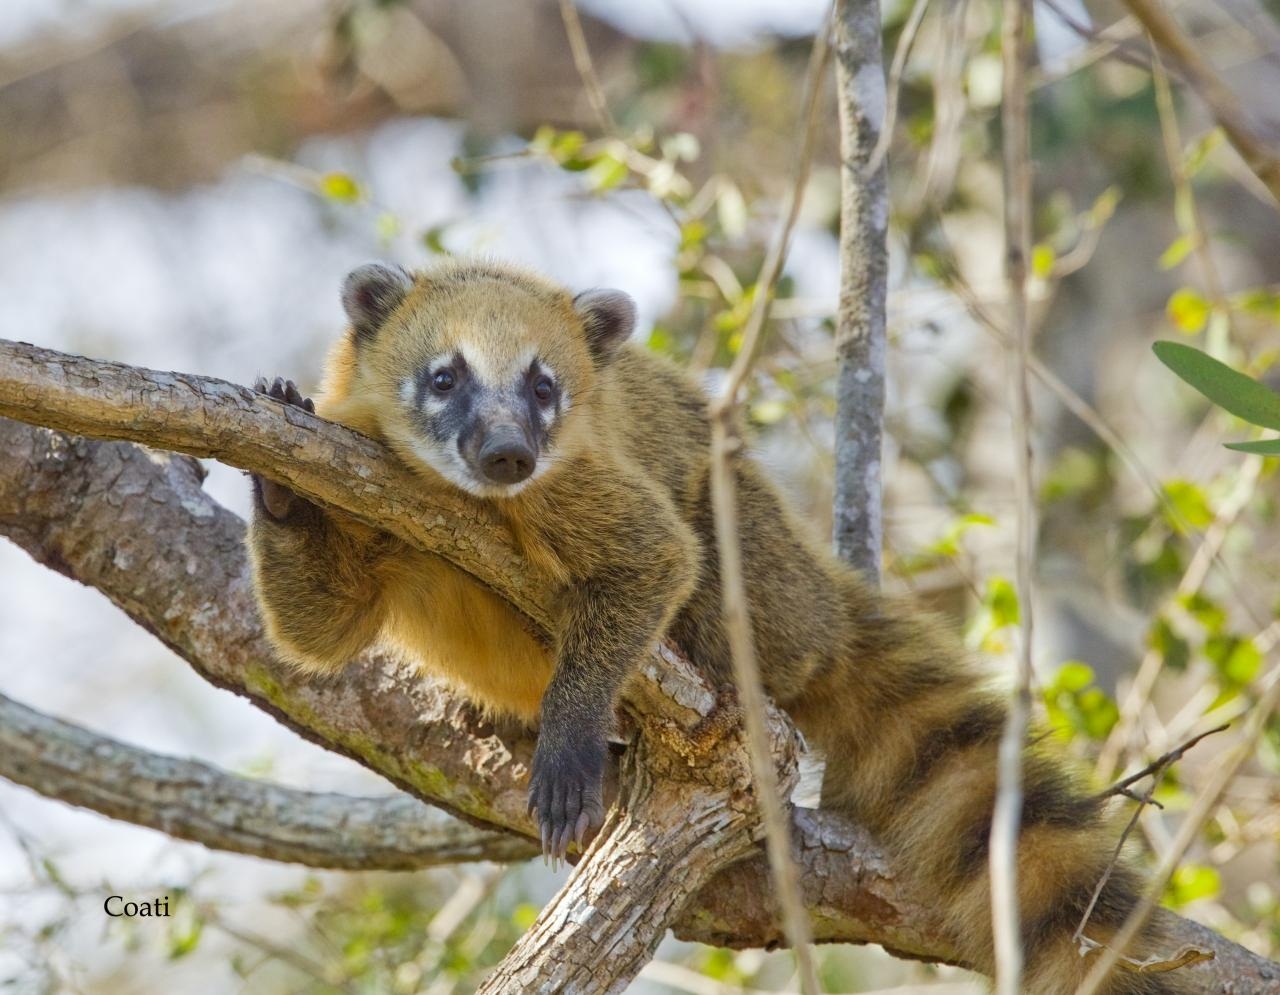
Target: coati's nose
505,457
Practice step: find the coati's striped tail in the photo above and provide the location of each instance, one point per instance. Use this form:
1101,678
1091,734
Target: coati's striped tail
910,735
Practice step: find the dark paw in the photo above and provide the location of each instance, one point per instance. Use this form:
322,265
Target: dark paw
566,790
276,500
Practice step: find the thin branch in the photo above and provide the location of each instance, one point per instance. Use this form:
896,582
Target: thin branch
194,801
1156,771
1017,232
1117,38
896,68
1200,813
775,259
1157,766
1255,149
210,915
1183,191
586,68
751,697
724,446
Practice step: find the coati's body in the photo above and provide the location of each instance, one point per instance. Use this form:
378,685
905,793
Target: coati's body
618,519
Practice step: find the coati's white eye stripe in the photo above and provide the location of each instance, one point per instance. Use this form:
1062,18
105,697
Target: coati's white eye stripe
496,371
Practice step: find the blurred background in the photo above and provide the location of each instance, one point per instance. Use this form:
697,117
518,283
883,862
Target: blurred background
184,183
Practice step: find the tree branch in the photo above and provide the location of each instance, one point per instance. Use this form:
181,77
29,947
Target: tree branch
1007,817
194,801
136,525
864,277
1258,152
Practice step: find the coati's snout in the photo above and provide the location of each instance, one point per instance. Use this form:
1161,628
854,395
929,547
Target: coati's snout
506,456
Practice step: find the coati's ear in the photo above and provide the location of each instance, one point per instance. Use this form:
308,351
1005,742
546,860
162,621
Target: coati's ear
609,317
370,294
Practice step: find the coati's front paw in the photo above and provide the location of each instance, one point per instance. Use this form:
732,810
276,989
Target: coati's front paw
276,500
566,790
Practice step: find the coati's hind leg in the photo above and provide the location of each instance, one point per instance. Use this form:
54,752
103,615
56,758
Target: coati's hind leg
316,576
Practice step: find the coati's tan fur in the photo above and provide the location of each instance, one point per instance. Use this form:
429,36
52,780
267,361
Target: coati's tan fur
620,517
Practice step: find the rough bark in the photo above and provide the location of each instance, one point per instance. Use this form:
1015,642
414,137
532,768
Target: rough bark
135,524
686,811
864,269
194,801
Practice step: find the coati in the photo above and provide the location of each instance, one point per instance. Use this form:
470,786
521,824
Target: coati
497,383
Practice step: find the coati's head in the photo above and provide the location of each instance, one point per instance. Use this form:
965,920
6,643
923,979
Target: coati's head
479,372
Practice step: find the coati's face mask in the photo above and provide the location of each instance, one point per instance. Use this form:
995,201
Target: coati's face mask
485,374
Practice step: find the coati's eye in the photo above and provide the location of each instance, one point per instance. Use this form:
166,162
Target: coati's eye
543,389
444,380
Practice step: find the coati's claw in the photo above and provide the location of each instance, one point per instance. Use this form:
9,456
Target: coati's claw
275,499
566,792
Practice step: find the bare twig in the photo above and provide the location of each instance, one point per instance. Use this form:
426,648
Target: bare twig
586,68
1017,232
1260,155
858,520
1156,771
751,697
1200,813
1172,138
775,259
1157,766
194,801
724,445
896,68
210,915
1116,37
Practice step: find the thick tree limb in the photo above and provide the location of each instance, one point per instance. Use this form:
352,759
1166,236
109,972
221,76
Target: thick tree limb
136,525
197,802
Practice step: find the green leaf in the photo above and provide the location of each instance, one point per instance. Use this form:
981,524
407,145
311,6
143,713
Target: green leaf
768,412
388,226
1170,645
524,915
1190,503
1103,208
1074,473
1188,310
1042,259
1195,156
1242,396
341,187
949,544
433,239
1263,447
1002,601
1074,676
1209,613
1237,660
1178,250
1192,881
606,172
